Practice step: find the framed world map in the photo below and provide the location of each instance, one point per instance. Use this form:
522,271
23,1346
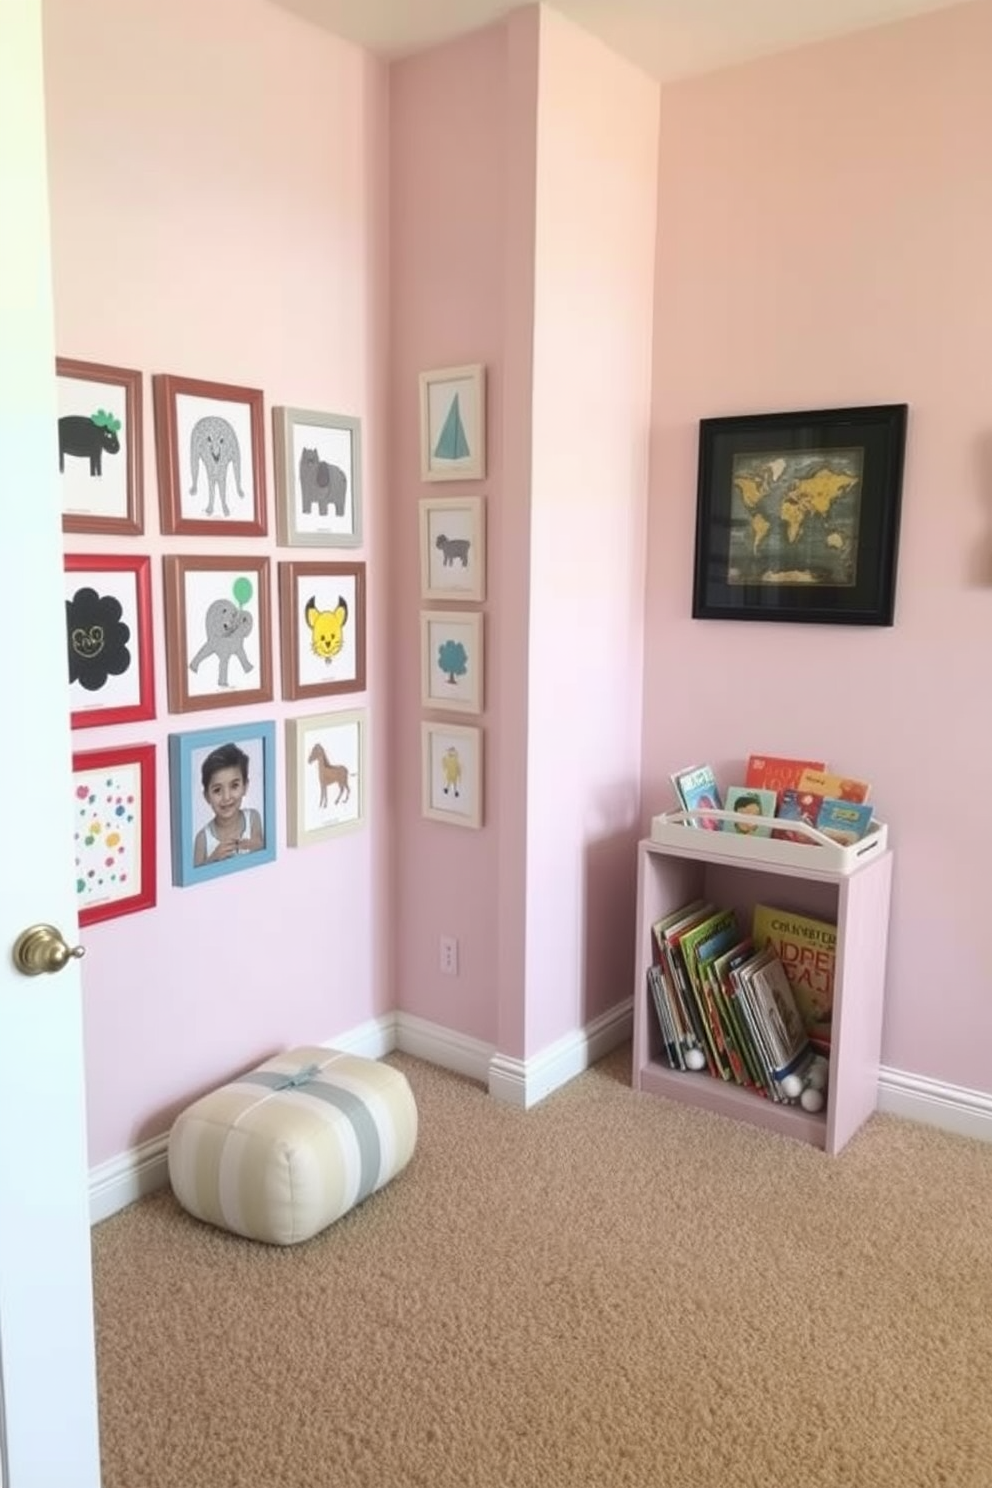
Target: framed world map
797,516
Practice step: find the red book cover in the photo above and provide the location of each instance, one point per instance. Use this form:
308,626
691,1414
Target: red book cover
772,772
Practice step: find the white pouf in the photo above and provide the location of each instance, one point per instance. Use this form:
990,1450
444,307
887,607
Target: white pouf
286,1149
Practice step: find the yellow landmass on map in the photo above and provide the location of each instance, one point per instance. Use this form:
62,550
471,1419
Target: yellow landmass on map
814,495
760,528
752,489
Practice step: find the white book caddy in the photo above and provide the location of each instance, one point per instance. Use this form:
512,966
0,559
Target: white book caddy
680,862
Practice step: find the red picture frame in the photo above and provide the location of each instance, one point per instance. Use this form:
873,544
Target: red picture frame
114,817
94,633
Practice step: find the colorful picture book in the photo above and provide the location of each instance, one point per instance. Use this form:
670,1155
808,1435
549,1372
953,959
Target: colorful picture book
749,801
776,790
725,1004
697,790
807,949
774,772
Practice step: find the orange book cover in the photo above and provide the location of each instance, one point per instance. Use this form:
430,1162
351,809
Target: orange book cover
771,772
840,787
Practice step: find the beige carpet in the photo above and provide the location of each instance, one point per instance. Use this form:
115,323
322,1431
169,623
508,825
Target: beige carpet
607,1290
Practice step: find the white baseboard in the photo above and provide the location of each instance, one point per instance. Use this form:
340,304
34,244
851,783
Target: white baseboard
121,1180
523,1082
967,1113
452,1051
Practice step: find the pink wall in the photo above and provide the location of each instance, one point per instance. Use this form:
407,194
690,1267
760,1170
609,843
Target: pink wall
597,154
532,121
218,211
448,160
824,239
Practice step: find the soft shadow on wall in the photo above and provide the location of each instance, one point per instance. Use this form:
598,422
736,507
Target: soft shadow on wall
610,902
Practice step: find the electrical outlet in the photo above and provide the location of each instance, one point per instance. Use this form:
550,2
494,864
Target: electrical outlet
449,955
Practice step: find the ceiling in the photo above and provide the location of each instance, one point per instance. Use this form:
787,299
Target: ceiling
668,38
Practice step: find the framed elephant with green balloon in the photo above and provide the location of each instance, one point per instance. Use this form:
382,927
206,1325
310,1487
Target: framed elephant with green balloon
218,637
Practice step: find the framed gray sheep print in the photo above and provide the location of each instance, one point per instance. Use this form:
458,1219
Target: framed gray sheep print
453,548
210,441
318,464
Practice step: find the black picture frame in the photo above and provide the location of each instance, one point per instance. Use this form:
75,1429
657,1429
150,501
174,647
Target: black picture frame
759,500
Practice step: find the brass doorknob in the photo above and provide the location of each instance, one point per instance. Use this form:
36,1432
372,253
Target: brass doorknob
42,948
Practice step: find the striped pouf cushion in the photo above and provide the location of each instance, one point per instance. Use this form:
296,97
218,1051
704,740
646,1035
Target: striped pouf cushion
283,1151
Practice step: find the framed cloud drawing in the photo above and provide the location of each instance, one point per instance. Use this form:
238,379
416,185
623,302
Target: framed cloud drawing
210,442
218,642
100,449
318,465
453,424
326,771
453,548
108,634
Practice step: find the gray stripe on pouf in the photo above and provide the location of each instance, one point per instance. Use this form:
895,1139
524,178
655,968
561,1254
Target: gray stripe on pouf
352,1106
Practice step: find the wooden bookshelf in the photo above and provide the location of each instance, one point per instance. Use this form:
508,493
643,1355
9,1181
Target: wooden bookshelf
672,873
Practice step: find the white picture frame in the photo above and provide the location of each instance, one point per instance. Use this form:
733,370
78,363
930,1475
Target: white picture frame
453,549
326,764
318,469
452,663
451,773
453,423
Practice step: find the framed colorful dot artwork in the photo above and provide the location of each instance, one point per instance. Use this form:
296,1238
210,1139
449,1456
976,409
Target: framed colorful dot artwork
113,804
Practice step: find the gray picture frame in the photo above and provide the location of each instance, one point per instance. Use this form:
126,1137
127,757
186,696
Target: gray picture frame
330,479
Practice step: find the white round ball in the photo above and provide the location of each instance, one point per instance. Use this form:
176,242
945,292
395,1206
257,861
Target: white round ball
817,1077
791,1087
695,1059
811,1099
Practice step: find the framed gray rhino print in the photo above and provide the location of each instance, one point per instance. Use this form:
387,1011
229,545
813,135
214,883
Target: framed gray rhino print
322,628
99,444
453,548
218,639
210,441
318,465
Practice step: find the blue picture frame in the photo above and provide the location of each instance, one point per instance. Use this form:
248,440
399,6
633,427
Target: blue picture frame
190,814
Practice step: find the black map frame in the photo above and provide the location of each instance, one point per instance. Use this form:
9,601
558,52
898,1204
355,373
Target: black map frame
820,491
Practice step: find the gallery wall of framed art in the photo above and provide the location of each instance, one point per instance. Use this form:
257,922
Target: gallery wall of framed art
207,611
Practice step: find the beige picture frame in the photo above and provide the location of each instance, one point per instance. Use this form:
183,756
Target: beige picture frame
453,423
451,773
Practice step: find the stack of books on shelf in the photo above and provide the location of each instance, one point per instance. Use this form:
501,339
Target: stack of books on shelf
776,792
751,1006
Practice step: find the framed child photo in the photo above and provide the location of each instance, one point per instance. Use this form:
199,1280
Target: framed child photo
451,759
114,831
318,465
222,801
100,449
218,645
210,441
322,628
325,761
108,633
451,660
453,424
453,548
